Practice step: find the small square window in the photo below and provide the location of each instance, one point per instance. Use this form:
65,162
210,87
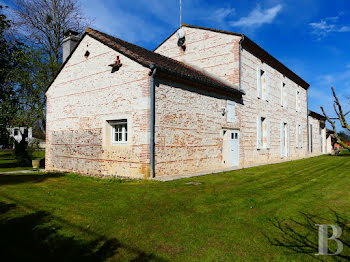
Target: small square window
119,131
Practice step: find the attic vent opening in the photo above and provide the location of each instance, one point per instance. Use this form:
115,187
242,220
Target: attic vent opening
87,53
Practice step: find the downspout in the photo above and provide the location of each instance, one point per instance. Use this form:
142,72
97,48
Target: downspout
152,123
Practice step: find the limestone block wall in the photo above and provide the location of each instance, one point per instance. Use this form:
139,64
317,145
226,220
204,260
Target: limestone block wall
188,130
83,97
272,110
211,52
218,55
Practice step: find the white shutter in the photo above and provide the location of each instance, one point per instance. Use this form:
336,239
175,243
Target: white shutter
282,139
230,111
286,102
258,131
296,100
267,88
296,136
258,82
268,132
288,140
282,94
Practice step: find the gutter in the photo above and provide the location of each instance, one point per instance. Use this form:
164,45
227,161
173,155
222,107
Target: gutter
152,122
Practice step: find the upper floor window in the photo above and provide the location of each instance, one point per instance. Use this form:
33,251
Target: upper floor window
119,131
262,84
231,111
284,95
297,101
263,132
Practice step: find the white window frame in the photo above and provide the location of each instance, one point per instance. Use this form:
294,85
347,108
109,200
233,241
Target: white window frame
284,140
299,138
297,100
261,95
284,88
261,134
123,131
231,115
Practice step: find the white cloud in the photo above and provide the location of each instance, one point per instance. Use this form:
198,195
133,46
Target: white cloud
326,26
221,14
258,17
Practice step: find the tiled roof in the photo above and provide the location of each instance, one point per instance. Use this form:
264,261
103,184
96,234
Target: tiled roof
165,64
316,115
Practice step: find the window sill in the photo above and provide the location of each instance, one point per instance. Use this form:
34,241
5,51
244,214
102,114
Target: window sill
263,150
119,143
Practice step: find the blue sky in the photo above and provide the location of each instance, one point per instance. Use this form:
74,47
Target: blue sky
311,37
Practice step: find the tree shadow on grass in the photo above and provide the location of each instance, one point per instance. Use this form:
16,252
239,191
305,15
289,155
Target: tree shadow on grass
10,179
300,236
12,164
36,237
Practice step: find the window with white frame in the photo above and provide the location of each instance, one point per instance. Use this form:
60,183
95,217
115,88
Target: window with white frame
297,101
262,84
322,139
284,95
299,136
119,131
231,112
263,133
284,140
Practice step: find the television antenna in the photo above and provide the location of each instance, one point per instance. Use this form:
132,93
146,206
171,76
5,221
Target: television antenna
180,13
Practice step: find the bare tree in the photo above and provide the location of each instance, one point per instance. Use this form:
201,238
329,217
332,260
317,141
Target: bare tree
340,116
44,22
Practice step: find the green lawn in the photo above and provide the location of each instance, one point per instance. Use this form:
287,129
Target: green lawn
257,214
8,162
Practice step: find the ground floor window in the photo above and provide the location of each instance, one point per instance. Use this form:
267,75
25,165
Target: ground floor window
263,132
119,131
284,140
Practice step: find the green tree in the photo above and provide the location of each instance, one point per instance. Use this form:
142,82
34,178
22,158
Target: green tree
12,61
32,84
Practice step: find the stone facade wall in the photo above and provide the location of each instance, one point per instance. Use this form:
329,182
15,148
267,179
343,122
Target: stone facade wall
83,97
272,110
188,130
218,54
213,53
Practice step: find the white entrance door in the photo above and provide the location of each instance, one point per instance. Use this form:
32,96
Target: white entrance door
234,148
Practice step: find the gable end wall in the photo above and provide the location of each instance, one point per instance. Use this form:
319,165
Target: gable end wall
80,101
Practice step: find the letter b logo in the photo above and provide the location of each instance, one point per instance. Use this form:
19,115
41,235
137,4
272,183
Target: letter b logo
323,239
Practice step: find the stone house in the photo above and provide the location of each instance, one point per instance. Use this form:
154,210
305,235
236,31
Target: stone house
203,101
319,142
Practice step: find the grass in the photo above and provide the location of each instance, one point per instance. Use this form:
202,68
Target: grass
9,163
265,213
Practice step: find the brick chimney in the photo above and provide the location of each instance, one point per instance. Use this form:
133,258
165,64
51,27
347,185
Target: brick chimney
70,40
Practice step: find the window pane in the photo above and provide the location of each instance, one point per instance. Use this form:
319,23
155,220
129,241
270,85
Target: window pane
119,131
